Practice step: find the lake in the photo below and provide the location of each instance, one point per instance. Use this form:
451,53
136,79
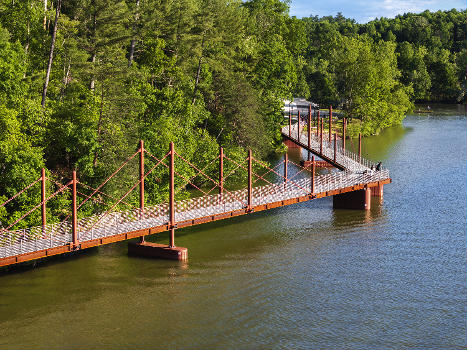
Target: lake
298,277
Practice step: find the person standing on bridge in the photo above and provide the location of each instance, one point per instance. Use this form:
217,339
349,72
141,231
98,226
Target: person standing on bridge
378,166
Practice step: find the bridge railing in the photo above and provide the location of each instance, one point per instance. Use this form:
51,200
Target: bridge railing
346,158
53,235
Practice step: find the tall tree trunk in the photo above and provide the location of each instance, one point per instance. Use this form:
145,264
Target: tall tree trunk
99,127
94,51
66,77
92,83
51,53
133,41
198,72
45,14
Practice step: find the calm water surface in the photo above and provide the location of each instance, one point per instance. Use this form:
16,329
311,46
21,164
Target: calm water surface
300,277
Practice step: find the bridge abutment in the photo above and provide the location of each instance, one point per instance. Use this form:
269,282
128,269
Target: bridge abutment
158,251
360,199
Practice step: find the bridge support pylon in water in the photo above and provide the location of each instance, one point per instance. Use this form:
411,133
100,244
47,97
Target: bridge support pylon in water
377,191
155,250
360,199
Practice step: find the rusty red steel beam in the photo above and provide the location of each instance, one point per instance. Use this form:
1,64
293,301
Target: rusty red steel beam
321,138
172,196
344,126
141,182
221,170
141,175
318,118
298,124
335,147
43,196
309,130
250,179
313,169
74,213
192,222
286,166
290,122
360,147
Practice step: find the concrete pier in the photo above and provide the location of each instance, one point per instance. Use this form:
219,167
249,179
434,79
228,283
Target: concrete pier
158,251
360,199
377,191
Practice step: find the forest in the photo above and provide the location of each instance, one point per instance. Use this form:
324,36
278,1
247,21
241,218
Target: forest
82,81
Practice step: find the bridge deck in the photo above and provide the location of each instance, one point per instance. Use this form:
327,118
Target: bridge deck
37,242
41,241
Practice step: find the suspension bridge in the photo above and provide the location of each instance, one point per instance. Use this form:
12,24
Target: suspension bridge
351,187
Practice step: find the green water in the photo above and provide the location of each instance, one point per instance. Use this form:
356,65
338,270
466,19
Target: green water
299,277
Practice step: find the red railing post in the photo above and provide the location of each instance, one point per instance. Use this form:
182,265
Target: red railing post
141,182
172,196
330,123
290,122
344,126
43,196
313,168
221,170
309,131
286,161
74,213
318,118
360,147
321,138
250,179
298,123
335,147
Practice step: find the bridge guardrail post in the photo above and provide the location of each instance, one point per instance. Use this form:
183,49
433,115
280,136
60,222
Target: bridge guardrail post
335,147
172,196
313,168
360,147
286,161
344,125
250,170
74,216
298,125
317,124
321,139
221,170
330,123
43,196
309,131
141,183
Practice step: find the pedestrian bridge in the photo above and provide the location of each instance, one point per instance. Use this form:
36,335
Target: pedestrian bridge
351,188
